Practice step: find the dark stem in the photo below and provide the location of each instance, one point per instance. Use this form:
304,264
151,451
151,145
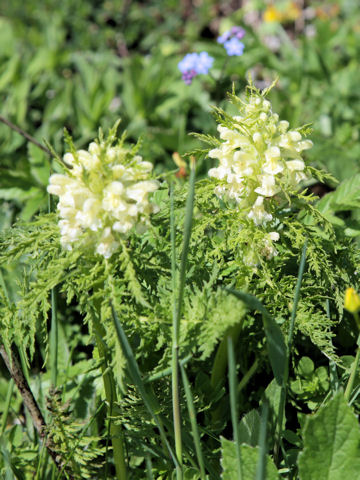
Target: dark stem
24,134
30,403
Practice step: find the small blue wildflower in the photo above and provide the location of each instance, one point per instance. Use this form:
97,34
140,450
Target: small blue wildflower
234,47
225,36
188,62
195,64
205,62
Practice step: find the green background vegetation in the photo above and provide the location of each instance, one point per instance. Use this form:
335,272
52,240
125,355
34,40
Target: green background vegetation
84,64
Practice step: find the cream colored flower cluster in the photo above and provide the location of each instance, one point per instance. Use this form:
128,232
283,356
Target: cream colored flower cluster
104,193
258,157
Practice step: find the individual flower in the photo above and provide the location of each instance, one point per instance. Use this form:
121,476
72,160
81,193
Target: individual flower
231,41
224,37
234,47
260,162
103,195
195,64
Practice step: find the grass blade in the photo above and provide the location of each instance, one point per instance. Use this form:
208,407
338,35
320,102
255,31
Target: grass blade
149,473
261,467
289,346
148,399
194,426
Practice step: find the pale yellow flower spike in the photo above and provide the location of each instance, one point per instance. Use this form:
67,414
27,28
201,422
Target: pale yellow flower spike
103,197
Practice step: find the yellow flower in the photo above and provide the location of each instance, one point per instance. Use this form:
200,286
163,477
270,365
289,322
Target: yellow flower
352,300
272,14
290,13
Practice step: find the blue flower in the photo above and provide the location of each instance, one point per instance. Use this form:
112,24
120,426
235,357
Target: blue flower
205,62
188,62
225,36
195,64
234,47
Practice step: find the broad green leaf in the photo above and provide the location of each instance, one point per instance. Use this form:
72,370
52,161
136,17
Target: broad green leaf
249,460
249,428
331,443
345,197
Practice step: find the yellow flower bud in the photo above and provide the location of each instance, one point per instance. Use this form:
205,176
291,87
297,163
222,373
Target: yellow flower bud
352,300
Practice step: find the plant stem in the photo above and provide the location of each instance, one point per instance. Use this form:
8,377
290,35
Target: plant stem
247,376
281,411
116,431
177,308
26,135
354,368
175,346
30,403
194,426
233,402
54,339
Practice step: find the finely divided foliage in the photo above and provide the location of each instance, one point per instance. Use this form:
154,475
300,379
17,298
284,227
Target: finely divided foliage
95,249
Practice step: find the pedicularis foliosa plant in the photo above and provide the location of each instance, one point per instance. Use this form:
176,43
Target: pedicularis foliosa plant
114,244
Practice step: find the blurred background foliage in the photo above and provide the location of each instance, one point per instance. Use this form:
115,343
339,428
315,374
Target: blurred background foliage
82,65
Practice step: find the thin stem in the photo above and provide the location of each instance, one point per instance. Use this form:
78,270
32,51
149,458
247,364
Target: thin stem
248,375
177,308
282,402
116,431
54,339
194,426
219,79
233,402
26,135
175,345
30,403
354,368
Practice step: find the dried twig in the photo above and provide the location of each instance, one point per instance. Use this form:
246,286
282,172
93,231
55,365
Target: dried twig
30,403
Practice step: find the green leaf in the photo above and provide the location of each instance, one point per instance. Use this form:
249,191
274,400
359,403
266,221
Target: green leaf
249,460
331,443
249,428
345,197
